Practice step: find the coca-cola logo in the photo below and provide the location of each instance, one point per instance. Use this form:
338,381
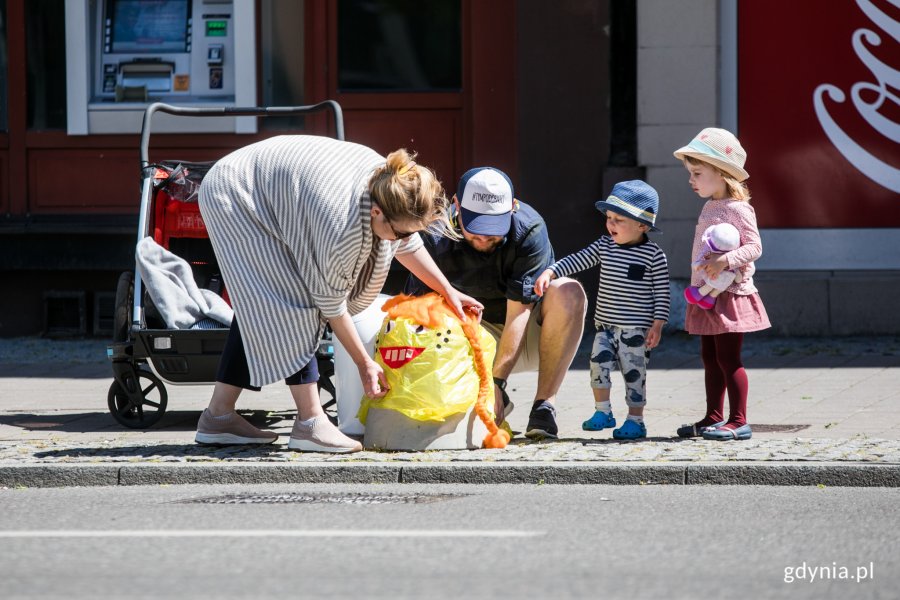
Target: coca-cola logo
869,99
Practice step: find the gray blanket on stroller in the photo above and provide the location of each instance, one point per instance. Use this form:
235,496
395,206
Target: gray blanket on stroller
170,283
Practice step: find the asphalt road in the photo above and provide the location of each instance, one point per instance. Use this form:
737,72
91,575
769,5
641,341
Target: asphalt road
448,541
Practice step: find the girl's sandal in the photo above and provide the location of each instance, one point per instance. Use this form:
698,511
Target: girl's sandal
692,430
726,434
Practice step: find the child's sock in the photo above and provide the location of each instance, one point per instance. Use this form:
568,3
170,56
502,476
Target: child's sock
604,407
636,418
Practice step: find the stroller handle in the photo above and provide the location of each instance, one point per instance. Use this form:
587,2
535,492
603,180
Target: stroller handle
235,111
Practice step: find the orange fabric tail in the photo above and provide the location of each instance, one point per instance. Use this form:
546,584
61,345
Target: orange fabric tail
496,437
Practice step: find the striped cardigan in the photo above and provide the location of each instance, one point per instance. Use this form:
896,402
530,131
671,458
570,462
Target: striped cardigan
289,219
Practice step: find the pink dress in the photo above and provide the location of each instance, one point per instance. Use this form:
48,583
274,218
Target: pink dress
739,308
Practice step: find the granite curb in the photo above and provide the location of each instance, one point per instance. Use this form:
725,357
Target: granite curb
759,474
123,450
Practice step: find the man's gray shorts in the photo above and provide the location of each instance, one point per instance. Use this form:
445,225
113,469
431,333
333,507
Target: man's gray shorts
529,358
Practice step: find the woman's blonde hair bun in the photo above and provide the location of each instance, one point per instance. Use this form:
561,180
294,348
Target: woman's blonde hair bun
406,190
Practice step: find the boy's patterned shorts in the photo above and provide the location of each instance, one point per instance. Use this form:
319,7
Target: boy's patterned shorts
621,348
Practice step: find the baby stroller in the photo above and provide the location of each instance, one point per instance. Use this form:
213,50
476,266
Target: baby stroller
145,352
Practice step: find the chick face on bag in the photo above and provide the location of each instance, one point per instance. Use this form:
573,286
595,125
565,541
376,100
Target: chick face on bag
429,368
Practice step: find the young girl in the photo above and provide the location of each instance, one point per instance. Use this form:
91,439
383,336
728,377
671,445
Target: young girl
715,161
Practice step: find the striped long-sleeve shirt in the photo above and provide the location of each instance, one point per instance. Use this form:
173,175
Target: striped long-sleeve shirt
290,222
634,281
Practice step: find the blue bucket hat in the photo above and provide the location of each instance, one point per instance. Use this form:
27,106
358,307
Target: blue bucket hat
634,199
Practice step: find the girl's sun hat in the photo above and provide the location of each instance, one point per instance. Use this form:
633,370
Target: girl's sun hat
719,148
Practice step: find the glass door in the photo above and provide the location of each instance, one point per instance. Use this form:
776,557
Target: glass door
399,75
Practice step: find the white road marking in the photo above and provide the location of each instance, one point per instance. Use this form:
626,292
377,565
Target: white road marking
289,533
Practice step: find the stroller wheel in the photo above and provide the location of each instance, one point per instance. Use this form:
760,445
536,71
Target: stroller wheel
329,399
124,300
142,405
327,393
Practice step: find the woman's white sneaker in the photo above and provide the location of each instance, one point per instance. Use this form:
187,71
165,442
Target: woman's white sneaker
320,435
229,430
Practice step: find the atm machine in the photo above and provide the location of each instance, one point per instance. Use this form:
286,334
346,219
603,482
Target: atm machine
124,54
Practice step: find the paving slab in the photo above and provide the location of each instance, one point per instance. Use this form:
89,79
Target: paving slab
825,411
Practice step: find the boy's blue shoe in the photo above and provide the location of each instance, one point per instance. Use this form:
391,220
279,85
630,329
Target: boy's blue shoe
630,430
599,420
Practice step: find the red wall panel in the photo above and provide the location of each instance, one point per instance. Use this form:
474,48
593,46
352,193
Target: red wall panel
837,165
434,135
89,180
75,181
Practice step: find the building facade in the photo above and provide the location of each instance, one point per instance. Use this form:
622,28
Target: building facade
811,91
567,97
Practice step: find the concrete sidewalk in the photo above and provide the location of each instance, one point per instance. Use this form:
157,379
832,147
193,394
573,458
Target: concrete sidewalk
823,410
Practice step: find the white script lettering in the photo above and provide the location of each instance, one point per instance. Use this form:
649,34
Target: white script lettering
868,164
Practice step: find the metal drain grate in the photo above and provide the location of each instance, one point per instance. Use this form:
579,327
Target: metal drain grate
778,428
324,498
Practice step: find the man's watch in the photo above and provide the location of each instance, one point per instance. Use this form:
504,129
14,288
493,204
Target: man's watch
500,383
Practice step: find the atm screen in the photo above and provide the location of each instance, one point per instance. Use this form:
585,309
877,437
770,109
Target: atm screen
145,26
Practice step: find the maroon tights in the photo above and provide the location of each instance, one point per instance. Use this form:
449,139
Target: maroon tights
724,370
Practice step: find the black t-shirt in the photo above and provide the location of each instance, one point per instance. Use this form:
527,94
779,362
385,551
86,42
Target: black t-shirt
508,273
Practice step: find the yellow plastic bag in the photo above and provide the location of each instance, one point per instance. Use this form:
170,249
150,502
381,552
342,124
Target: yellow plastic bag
436,365
428,361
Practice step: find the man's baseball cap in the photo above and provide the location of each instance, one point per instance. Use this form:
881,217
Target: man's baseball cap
485,197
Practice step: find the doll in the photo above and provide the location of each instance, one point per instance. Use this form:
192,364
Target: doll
717,239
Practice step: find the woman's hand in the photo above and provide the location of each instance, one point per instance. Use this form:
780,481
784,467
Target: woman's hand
423,266
370,373
543,282
374,382
461,303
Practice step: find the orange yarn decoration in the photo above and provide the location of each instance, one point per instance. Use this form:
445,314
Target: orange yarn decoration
429,310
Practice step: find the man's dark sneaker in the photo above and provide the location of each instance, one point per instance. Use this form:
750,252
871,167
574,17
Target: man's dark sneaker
542,421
